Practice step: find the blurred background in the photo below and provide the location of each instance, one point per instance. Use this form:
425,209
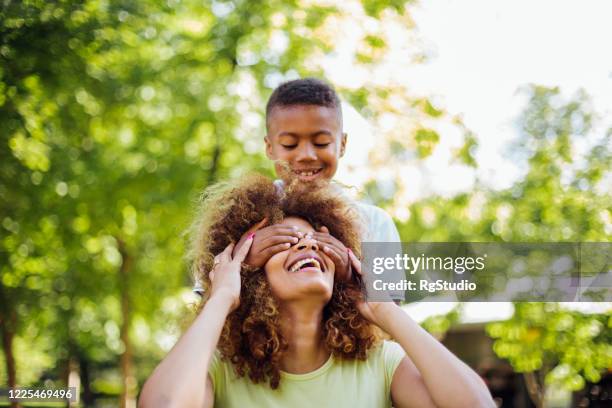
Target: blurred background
467,121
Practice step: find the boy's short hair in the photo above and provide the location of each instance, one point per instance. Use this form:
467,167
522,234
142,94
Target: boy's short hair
304,91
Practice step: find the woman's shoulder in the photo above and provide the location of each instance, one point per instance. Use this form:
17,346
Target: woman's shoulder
377,370
387,349
389,354
392,349
384,353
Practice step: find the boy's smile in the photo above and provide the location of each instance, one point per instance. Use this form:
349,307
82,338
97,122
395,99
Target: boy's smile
308,138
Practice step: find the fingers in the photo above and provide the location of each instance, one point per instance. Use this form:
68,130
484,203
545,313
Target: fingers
217,261
259,225
329,239
273,250
336,258
226,256
265,233
332,244
355,262
244,249
273,235
279,230
252,229
278,239
223,257
335,254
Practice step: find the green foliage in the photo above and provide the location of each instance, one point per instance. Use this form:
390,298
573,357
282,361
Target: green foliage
571,347
114,117
426,141
560,198
438,325
466,153
116,114
375,7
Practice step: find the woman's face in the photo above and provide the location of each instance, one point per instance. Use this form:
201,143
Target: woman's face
303,271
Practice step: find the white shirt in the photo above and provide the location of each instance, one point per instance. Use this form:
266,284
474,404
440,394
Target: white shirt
381,228
379,225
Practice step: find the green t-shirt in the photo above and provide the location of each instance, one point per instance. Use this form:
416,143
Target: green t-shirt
337,383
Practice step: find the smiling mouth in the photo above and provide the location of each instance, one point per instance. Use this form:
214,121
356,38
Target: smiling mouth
305,263
307,173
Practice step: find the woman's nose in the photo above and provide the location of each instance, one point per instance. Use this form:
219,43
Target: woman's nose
306,243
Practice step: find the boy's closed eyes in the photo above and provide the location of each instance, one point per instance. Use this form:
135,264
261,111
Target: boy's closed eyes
306,139
320,139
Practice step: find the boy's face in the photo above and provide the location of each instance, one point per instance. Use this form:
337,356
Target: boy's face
308,138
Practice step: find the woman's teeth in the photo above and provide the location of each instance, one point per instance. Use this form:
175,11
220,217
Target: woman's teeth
306,173
296,266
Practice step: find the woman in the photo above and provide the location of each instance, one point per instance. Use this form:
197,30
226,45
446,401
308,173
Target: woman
289,334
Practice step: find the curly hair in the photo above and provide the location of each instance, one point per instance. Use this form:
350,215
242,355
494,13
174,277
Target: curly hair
251,338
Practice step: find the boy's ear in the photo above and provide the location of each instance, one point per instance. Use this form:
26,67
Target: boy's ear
268,148
343,144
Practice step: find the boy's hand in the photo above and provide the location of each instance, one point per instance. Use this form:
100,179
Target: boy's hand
268,241
336,251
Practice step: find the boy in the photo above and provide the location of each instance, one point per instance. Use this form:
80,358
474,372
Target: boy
305,137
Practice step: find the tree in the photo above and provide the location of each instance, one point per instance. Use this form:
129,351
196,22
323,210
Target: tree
114,116
561,197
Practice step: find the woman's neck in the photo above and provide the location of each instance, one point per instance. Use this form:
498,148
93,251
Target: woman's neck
302,328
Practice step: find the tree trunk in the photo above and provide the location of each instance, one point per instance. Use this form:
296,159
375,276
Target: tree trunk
7,347
128,393
7,326
88,398
72,377
535,389
214,166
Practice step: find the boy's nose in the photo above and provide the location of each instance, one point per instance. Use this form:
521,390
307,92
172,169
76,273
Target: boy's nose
306,153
